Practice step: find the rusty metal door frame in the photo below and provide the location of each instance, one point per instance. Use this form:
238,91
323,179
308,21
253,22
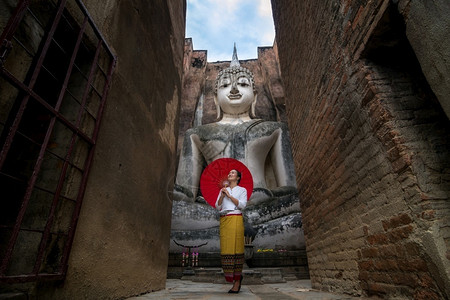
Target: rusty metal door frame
54,110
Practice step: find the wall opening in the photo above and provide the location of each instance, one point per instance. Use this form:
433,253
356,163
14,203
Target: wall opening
389,48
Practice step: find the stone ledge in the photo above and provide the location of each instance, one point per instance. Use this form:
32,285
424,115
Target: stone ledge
251,276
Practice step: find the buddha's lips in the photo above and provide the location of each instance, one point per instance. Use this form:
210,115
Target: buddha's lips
234,96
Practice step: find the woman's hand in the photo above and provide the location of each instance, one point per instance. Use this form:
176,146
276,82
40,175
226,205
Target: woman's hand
225,192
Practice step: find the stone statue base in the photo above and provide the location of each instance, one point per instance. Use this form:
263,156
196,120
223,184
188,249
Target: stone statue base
276,223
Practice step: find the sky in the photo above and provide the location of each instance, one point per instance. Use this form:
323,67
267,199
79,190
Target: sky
215,25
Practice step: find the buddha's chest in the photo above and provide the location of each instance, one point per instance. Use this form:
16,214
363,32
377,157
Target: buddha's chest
236,145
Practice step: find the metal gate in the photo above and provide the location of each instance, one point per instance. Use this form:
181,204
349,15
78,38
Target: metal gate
55,74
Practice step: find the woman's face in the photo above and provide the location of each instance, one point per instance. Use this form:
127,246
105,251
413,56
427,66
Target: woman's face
233,176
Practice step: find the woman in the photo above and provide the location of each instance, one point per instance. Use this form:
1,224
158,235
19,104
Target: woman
230,201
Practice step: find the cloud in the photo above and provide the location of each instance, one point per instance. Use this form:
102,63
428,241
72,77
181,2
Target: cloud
230,5
264,8
215,25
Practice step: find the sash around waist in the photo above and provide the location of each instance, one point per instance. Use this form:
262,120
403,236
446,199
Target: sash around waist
231,214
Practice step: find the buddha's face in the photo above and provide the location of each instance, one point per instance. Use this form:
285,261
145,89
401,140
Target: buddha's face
235,93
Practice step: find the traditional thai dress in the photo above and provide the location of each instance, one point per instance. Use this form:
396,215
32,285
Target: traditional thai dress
232,233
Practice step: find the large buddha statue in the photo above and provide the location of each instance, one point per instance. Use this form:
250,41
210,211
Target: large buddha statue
263,146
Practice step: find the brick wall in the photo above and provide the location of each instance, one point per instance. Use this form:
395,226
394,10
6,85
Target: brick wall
194,68
371,147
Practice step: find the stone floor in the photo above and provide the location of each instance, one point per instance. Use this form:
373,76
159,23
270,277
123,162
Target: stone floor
185,289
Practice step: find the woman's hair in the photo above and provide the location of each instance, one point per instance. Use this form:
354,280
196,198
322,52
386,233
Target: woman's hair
239,175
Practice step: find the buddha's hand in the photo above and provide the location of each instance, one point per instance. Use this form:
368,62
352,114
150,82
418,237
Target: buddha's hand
182,193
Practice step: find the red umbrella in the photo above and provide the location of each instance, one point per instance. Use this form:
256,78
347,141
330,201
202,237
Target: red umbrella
216,173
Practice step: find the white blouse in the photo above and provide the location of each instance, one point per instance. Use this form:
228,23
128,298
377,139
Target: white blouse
228,207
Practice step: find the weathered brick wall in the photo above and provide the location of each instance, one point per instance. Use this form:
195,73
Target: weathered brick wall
270,71
372,149
194,68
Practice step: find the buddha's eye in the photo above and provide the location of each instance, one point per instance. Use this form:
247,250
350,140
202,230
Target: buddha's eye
225,82
243,81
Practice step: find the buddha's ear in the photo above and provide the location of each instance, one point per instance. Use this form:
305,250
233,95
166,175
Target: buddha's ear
252,111
217,106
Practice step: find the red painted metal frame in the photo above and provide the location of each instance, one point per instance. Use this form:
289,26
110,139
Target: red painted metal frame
10,29
6,44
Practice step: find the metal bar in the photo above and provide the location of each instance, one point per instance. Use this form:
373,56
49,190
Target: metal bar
23,47
40,188
59,47
73,96
14,21
89,160
47,43
10,29
11,79
56,199
51,75
13,178
69,23
25,229
103,102
50,151
27,196
82,74
31,277
11,134
82,188
91,141
19,114
88,85
101,70
12,130
71,63
97,32
36,19
93,87
62,176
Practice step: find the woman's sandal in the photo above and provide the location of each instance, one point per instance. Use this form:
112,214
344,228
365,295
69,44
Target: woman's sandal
235,292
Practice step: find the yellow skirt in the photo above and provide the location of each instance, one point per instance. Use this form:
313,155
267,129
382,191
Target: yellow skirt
232,246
